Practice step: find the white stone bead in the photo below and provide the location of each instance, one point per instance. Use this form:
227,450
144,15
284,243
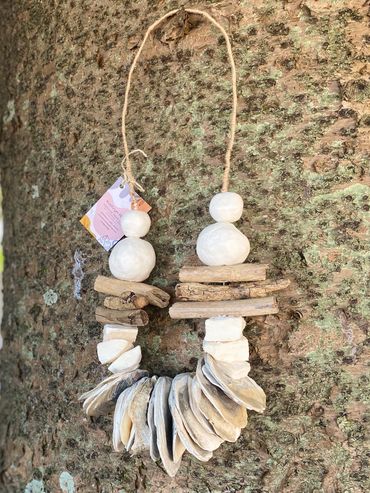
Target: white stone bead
226,207
135,224
115,331
222,244
108,351
132,259
224,328
228,351
127,361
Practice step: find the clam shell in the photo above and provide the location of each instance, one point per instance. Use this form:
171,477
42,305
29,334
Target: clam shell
137,410
191,446
224,430
236,370
233,413
243,391
194,404
153,448
205,438
169,447
98,400
122,423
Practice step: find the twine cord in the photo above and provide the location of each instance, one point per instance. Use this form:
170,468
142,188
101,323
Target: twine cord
127,168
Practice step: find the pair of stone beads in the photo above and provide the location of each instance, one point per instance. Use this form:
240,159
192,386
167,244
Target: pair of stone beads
133,259
222,243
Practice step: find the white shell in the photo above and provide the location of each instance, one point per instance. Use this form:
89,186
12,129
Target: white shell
228,351
108,351
115,331
169,446
243,391
222,244
234,370
137,411
132,259
226,207
207,440
231,411
224,328
135,224
130,359
173,402
225,430
96,400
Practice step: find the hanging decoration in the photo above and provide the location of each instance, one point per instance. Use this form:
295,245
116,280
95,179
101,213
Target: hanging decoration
191,412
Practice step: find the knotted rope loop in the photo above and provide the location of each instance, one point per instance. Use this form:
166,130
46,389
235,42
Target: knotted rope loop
127,169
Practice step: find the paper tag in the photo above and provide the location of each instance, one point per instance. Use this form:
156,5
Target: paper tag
103,219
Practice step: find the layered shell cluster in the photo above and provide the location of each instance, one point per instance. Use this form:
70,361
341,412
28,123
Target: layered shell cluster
191,412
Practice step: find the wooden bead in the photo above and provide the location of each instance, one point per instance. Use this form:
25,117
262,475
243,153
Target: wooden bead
135,224
132,259
222,244
226,207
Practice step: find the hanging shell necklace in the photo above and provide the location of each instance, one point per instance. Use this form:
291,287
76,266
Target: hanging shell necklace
191,412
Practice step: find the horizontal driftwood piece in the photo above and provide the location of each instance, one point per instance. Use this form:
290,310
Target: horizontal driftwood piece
130,317
235,308
131,302
121,289
192,291
225,273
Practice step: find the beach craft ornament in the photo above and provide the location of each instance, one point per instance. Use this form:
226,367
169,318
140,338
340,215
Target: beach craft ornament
191,412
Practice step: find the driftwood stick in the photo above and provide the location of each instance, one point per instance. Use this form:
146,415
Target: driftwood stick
226,273
118,288
129,317
129,302
192,291
235,308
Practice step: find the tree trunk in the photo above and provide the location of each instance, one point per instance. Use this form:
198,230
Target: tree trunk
301,164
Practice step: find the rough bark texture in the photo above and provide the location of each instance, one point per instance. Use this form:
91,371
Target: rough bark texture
302,167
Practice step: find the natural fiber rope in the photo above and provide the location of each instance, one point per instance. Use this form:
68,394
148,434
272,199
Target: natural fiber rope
127,169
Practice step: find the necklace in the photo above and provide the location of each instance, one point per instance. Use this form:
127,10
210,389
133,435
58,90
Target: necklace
191,412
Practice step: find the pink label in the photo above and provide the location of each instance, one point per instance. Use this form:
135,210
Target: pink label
103,219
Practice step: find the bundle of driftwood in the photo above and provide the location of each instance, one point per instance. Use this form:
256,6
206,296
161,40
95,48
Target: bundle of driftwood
236,290
125,301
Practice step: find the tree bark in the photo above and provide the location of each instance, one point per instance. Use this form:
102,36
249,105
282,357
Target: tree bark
301,165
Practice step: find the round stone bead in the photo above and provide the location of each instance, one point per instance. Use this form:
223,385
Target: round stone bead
226,207
222,244
135,224
132,259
